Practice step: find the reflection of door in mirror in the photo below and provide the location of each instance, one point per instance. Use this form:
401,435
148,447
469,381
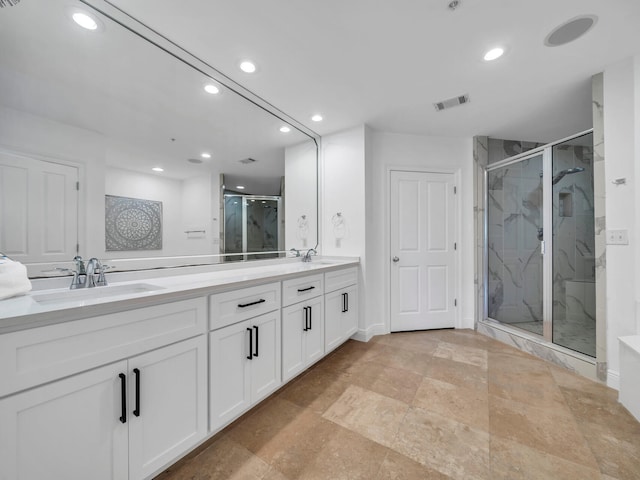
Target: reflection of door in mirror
38,209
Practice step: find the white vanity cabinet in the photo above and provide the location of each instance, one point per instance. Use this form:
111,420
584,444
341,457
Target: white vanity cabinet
302,324
341,306
244,356
123,420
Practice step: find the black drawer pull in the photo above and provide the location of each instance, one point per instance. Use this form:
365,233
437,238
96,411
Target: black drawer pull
123,387
250,356
136,412
255,354
306,319
346,297
310,324
306,289
240,305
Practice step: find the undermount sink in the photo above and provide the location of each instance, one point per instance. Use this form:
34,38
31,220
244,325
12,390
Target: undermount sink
94,293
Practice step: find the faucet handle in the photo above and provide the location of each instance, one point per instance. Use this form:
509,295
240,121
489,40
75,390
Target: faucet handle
296,251
102,279
79,265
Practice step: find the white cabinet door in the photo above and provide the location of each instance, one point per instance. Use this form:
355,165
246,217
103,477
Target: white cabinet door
294,322
341,316
167,404
302,336
265,365
69,429
314,341
230,391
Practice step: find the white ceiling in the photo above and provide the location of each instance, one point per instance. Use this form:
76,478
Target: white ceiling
385,63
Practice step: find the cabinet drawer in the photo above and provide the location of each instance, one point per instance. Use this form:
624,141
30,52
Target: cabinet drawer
232,307
32,357
340,279
299,289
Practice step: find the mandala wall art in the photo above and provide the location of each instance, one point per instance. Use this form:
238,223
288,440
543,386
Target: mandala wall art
132,224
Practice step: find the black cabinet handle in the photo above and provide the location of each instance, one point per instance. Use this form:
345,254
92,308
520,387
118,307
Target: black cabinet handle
306,319
306,289
346,296
310,321
136,412
244,305
123,389
257,340
344,302
250,356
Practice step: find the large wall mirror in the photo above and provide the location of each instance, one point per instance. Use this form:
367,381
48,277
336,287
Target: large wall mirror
89,117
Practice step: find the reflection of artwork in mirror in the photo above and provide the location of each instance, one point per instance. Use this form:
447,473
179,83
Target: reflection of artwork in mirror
132,224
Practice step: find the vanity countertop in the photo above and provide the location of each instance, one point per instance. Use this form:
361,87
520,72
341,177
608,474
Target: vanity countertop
43,307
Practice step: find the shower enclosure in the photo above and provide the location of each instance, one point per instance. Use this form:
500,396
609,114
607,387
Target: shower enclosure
540,242
252,223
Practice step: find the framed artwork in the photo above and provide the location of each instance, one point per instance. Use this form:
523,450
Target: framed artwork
132,224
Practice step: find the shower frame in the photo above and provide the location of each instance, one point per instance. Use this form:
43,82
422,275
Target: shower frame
546,244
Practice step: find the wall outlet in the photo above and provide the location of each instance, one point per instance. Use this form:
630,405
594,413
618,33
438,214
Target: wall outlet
617,237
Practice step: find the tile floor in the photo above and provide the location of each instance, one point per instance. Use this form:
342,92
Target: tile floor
427,405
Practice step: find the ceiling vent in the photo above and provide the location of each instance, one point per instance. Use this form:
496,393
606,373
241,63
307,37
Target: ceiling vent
451,102
8,3
248,161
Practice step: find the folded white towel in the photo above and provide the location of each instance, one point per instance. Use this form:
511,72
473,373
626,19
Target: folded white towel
13,279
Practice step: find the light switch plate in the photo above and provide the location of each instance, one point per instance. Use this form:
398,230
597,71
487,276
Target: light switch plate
617,237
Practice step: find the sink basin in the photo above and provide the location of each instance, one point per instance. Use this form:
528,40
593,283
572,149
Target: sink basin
94,293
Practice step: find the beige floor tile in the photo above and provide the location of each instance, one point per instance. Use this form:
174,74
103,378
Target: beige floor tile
347,456
392,382
537,388
617,453
370,414
548,430
442,444
514,461
315,390
223,460
457,373
465,405
462,353
399,467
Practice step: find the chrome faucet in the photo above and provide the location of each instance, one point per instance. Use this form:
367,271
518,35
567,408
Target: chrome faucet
94,267
296,251
307,256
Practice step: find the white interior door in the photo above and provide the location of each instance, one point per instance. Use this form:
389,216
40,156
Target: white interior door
38,209
422,251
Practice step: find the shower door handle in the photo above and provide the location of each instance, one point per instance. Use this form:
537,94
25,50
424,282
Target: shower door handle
395,259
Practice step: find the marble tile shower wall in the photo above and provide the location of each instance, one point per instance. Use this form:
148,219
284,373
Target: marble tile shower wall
515,262
574,240
500,149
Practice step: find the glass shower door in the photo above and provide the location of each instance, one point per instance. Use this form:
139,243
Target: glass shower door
514,235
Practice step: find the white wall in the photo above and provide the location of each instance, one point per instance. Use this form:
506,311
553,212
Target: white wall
343,156
355,166
300,173
621,121
400,150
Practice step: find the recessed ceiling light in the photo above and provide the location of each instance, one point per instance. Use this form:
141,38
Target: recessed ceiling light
247,67
205,155
240,187
494,54
317,118
211,88
158,169
85,21
570,30
285,129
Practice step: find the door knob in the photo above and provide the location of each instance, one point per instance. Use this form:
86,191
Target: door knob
396,259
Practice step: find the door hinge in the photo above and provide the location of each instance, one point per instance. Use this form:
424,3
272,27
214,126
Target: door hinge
455,302
77,248
78,186
455,190
455,246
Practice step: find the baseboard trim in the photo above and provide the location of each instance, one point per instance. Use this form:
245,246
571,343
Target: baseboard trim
364,335
613,379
